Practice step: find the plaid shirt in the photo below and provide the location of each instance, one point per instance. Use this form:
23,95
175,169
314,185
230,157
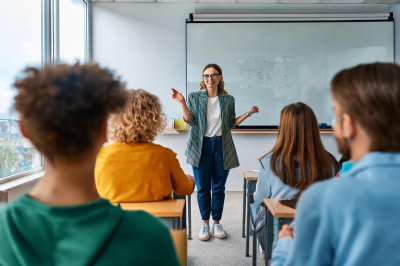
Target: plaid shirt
197,105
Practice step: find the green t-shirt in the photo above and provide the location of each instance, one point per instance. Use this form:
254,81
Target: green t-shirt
97,233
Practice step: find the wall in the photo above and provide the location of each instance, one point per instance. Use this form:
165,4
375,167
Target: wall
15,193
145,44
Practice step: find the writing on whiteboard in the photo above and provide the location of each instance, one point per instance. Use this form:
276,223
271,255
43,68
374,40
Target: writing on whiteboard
274,73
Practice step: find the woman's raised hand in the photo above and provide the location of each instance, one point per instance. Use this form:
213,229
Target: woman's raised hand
253,110
177,96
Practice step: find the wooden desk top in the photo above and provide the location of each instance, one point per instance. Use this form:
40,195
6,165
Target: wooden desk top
278,210
164,208
250,176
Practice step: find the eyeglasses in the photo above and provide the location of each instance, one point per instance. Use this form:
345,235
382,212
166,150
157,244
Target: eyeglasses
212,76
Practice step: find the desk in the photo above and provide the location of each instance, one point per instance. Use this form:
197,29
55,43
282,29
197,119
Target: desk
249,186
275,210
169,211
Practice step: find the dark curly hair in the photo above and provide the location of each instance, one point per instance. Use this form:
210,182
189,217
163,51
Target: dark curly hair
62,107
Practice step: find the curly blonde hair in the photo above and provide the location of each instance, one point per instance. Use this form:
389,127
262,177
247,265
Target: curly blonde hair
140,121
221,84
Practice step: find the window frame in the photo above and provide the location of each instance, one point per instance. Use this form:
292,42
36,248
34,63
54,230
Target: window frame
55,32
50,51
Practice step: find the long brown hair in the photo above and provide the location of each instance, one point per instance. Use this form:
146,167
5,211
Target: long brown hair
221,84
371,95
299,143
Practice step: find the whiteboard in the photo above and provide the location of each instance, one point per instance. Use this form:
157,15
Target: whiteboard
274,64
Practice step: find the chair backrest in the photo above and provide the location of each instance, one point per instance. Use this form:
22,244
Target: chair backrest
180,243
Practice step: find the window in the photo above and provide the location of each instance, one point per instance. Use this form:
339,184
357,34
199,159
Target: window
72,30
33,32
20,46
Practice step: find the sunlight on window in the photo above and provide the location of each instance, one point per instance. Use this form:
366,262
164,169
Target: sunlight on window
72,31
20,46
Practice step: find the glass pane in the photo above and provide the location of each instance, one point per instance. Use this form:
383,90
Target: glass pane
20,45
72,31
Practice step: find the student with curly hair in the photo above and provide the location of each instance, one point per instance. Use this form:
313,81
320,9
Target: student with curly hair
62,221
133,168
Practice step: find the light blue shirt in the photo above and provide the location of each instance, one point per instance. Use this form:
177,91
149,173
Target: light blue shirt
348,221
271,186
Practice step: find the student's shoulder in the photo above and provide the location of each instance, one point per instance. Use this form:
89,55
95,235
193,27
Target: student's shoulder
16,206
162,150
265,161
330,192
3,209
111,148
147,223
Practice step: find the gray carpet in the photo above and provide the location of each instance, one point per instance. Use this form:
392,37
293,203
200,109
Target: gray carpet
229,251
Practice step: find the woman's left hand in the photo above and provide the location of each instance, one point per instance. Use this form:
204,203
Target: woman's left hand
253,110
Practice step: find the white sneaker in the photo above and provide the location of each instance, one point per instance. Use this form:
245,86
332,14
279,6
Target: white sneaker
204,233
219,231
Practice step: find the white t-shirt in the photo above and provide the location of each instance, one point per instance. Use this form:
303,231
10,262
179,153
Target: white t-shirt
213,118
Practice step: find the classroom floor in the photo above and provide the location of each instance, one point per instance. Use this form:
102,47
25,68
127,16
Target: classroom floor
229,251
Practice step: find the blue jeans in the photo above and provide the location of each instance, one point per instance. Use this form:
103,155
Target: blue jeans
210,175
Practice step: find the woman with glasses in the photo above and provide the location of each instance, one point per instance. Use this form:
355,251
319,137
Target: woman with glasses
210,150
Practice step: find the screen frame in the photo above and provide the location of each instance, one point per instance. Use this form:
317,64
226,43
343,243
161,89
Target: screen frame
191,21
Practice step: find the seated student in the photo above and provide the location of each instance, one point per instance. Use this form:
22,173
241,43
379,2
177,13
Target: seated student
297,160
354,220
133,169
62,221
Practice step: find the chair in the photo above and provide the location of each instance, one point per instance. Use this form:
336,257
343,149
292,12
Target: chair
180,243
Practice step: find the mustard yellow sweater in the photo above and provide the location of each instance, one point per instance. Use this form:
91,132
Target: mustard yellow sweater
138,172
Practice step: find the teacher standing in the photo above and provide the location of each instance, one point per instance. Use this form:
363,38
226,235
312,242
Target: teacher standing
210,149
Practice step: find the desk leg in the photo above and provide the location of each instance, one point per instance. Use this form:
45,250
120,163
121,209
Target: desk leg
269,236
189,216
248,218
244,208
255,246
280,224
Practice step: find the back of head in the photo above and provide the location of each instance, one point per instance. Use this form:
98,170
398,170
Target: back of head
299,144
62,107
140,121
370,94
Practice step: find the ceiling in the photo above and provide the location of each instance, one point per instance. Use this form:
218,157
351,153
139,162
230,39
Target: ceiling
266,1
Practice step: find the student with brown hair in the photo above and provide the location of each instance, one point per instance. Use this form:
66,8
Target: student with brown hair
354,219
62,221
297,160
133,168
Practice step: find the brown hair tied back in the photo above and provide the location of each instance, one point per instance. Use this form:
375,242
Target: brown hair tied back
140,121
370,94
299,145
221,85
